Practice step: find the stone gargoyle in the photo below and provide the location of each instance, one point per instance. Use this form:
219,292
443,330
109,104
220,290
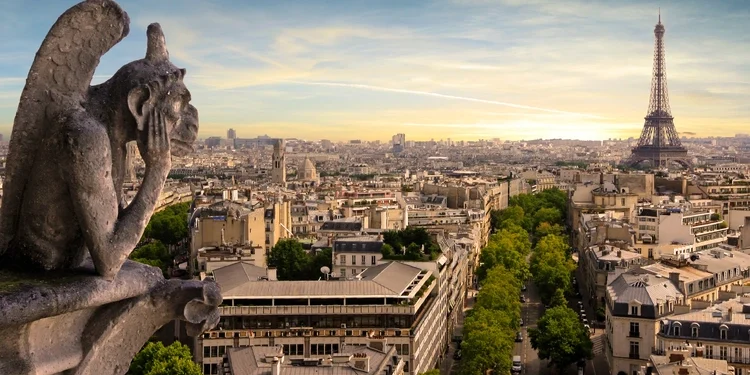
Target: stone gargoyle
70,301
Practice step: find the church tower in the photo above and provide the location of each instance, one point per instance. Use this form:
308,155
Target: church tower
278,170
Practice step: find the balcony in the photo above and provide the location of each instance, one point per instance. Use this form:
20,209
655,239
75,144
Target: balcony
634,334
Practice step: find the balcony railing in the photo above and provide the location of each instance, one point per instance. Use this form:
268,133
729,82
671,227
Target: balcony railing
634,334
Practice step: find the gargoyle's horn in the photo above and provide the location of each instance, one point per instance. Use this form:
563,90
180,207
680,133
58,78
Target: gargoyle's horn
157,45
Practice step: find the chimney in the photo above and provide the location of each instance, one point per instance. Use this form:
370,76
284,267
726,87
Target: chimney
619,253
730,311
276,366
361,362
378,344
271,273
674,277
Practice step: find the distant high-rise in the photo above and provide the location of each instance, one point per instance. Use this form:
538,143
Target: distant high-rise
231,134
278,170
130,157
399,142
659,143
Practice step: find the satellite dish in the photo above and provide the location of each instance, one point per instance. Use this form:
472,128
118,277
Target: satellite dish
325,270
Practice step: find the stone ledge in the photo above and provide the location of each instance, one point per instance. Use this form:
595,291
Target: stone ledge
25,297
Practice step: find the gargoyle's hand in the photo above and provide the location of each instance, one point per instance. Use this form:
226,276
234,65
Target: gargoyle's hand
156,150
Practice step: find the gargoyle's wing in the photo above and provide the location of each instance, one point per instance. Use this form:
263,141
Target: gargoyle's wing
58,80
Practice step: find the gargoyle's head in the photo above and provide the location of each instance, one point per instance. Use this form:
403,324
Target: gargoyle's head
155,84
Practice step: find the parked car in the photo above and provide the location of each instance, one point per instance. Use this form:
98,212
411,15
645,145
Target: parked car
519,336
523,299
585,321
457,355
523,288
521,322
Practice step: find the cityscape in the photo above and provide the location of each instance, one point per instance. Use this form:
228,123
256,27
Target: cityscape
556,238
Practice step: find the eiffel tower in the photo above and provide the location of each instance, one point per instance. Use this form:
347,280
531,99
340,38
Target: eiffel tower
659,143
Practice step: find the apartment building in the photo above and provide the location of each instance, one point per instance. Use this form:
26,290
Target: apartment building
352,255
678,360
600,262
377,358
635,306
313,319
719,332
227,229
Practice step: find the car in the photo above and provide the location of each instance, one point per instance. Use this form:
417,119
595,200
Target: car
520,321
585,322
583,316
457,355
523,299
523,288
519,336
516,366
580,304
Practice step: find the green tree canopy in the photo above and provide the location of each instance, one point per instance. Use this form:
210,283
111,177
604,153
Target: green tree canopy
169,225
551,266
561,338
487,343
290,260
156,359
558,299
547,215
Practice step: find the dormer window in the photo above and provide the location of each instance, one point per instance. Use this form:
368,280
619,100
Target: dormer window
676,330
723,333
694,329
634,310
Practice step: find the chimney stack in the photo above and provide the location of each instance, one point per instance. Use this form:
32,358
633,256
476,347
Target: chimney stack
730,311
674,277
619,253
361,362
276,366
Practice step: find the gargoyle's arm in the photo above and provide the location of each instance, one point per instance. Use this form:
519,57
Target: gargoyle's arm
110,234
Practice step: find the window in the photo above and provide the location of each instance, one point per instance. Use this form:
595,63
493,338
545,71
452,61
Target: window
633,310
635,349
294,349
676,330
690,288
373,260
343,272
723,333
723,353
635,329
343,260
324,349
354,260
694,331
364,261
709,351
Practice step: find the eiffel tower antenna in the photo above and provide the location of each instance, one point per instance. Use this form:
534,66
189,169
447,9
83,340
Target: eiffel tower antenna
659,143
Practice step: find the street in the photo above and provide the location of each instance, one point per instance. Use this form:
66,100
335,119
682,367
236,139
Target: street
531,311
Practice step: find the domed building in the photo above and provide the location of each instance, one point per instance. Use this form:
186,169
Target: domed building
307,172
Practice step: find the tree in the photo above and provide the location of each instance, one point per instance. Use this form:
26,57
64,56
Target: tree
156,359
547,215
551,266
558,299
154,253
546,229
501,292
512,214
561,338
290,260
487,344
169,225
387,251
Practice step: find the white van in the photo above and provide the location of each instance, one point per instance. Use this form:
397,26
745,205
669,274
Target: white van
516,367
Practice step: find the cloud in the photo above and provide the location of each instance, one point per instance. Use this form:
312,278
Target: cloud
443,96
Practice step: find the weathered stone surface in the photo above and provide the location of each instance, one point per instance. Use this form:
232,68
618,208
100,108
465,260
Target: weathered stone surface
70,301
26,297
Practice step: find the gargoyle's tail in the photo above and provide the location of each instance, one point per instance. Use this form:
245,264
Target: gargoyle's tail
58,80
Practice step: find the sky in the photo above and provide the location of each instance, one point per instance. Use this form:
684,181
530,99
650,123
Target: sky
458,69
